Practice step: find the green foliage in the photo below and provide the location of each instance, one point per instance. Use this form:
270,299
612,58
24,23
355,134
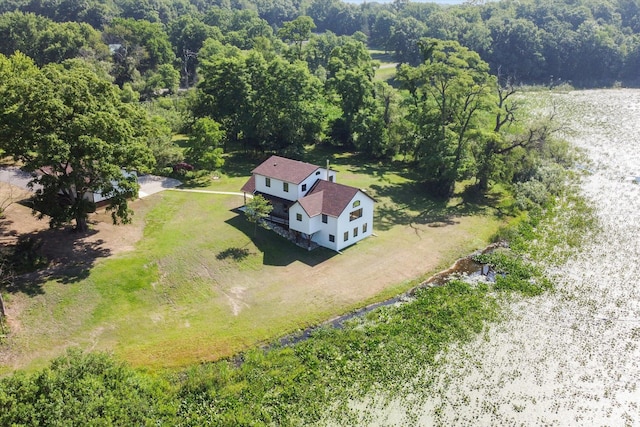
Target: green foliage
350,78
84,389
299,385
142,46
297,31
257,209
46,41
163,81
70,128
173,110
449,92
264,104
514,273
160,141
205,144
26,256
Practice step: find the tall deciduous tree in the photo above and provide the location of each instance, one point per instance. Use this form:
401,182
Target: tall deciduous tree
138,46
266,105
205,144
70,128
350,72
449,93
297,32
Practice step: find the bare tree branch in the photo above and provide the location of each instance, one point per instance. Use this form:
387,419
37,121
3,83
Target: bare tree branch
535,136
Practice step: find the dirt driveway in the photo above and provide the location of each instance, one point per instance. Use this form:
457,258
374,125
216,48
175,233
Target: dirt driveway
60,246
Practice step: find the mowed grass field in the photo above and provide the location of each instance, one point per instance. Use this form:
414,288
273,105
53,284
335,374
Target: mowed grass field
199,285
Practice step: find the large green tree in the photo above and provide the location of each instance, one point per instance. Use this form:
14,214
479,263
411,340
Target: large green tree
350,82
205,144
139,46
70,128
269,105
297,32
449,91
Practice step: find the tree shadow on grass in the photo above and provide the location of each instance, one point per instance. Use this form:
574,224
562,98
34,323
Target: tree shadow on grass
365,166
277,250
239,164
410,205
68,258
236,254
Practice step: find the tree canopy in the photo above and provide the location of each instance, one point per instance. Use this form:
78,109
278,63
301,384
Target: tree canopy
69,127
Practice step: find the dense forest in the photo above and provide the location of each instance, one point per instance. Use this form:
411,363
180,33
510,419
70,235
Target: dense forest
587,42
273,76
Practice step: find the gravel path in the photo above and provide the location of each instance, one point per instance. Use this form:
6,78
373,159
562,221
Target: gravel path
149,184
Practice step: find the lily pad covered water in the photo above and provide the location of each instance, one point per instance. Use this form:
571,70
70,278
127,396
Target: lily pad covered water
571,357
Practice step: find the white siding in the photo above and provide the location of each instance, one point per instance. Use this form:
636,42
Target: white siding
295,191
301,226
325,230
314,226
307,225
345,225
308,182
277,188
97,197
322,174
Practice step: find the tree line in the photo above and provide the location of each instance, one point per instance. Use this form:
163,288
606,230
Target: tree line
587,42
257,89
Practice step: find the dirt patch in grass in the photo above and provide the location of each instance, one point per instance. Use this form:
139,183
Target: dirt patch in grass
62,246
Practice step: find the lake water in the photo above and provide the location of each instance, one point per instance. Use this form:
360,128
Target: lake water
571,357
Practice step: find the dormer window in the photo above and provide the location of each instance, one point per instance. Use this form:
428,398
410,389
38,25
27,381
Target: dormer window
304,187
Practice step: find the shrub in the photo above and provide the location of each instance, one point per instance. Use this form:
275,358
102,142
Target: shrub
84,389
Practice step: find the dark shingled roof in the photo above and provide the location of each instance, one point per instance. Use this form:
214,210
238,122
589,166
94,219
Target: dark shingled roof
312,203
328,198
250,186
284,169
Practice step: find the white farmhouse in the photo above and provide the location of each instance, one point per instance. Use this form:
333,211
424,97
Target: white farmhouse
308,201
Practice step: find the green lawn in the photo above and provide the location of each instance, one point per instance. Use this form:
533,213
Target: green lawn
200,286
387,70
